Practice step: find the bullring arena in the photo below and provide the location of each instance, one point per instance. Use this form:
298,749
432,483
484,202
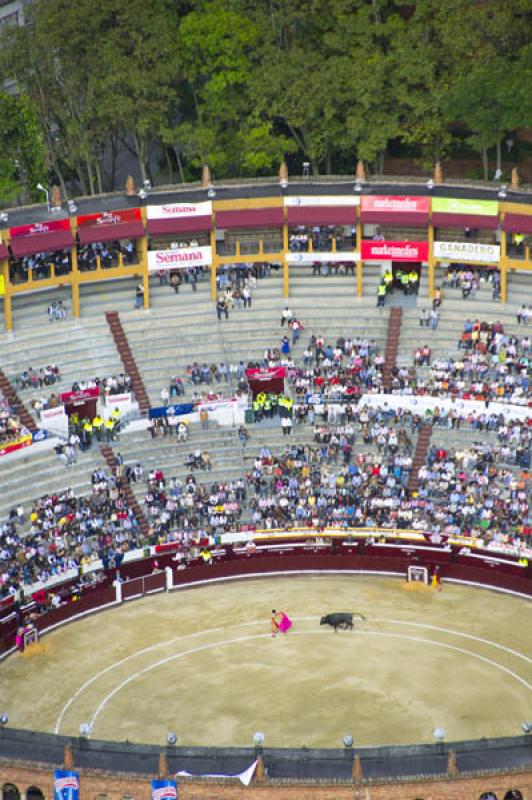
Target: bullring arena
175,470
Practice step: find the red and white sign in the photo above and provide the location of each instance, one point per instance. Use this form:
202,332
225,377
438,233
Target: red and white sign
48,414
323,200
395,205
123,402
172,210
266,374
180,258
394,251
81,396
40,228
55,420
109,218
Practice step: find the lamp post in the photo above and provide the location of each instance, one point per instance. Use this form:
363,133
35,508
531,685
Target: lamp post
41,188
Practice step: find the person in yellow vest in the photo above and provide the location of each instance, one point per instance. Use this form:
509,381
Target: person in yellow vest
257,411
413,282
387,279
109,429
97,424
381,294
405,282
86,433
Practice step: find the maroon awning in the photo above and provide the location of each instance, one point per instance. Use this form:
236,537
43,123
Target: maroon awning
110,233
41,243
3,252
250,218
478,221
322,215
517,223
159,227
416,218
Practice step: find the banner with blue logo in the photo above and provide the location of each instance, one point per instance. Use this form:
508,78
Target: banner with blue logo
66,785
39,436
165,411
163,790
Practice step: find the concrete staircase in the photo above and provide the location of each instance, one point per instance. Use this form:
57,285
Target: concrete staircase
392,346
110,458
130,366
420,456
7,390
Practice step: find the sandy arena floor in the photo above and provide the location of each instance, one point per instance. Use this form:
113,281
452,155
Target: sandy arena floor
202,663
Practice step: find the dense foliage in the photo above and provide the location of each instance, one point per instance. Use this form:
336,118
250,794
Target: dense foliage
242,84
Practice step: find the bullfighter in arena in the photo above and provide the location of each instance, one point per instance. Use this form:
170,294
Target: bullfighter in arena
280,622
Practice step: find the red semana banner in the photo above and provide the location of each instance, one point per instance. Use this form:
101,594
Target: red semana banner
395,205
16,444
40,228
266,374
107,218
76,397
394,251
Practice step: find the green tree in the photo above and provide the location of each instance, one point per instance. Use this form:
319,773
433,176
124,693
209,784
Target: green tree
22,164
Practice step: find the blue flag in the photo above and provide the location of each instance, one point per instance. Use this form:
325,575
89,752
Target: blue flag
163,790
66,785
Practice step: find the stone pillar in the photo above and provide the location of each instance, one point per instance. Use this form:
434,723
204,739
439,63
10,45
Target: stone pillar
357,769
360,173
169,578
55,201
118,590
516,180
438,173
68,757
130,186
283,173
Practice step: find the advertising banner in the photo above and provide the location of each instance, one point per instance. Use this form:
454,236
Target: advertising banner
40,228
15,444
397,205
180,258
172,210
449,205
78,397
166,411
109,218
163,790
66,784
467,252
322,258
372,250
323,200
55,419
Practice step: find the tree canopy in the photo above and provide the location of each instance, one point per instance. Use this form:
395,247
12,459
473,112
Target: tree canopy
243,84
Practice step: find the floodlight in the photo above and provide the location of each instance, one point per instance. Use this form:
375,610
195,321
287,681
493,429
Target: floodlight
527,726
72,207
259,738
348,740
430,184
503,192
4,719
143,194
171,738
4,217
284,184
85,729
211,194
438,734
358,186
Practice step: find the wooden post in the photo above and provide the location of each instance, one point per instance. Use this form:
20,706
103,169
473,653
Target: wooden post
143,245
357,769
163,766
260,773
452,769
504,267
214,263
431,259
74,273
68,757
358,249
8,313
286,274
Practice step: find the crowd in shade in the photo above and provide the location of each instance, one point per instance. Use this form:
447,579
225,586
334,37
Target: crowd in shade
32,378
492,366
107,253
64,531
468,280
177,509
39,266
10,425
466,491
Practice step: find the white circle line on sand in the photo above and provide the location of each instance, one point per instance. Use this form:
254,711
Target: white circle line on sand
207,631
240,639
503,647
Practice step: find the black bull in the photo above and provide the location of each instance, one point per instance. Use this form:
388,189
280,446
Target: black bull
340,620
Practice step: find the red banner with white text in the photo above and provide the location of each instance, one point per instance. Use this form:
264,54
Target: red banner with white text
372,250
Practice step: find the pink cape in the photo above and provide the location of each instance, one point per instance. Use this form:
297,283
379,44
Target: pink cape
285,623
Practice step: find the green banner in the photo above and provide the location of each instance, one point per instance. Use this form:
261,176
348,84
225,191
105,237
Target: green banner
450,205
